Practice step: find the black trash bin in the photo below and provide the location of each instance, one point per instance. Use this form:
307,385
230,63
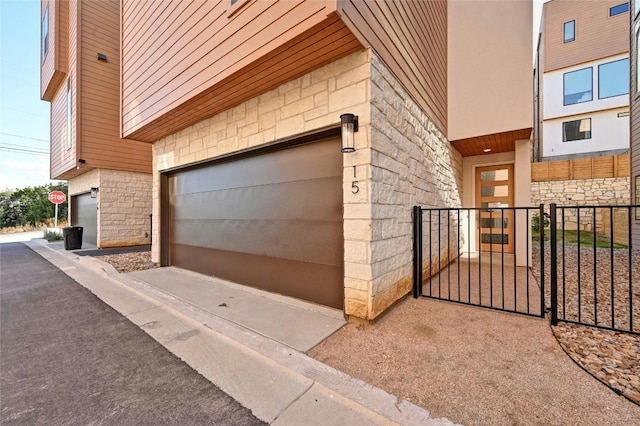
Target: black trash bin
72,237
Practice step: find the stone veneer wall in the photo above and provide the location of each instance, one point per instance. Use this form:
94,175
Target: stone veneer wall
124,205
402,159
582,192
412,163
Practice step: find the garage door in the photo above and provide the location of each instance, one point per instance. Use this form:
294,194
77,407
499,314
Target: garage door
86,215
271,221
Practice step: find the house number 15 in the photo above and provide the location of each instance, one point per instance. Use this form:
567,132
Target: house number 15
354,185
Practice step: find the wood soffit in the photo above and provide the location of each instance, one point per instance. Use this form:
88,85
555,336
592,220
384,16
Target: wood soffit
319,46
496,142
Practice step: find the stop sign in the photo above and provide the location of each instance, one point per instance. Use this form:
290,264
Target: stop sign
57,197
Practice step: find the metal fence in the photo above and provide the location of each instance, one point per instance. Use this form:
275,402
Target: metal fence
594,269
575,261
466,265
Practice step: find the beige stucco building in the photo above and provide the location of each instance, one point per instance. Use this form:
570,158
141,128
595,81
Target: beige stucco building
241,102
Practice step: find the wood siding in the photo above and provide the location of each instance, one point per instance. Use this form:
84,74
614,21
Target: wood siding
63,159
93,28
616,166
634,126
411,38
53,68
99,91
186,61
597,35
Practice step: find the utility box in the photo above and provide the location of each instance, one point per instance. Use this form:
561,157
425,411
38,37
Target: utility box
72,237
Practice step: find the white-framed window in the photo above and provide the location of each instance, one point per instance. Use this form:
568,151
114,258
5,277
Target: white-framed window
636,71
69,112
613,78
45,33
569,31
576,130
578,86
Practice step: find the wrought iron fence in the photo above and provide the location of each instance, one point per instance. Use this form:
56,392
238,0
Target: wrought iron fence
594,269
502,258
480,257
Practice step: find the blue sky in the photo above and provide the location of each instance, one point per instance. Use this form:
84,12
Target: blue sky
24,118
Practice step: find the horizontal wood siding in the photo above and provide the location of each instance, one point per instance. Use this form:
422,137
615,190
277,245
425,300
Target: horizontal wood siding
583,168
54,67
411,38
186,61
64,160
597,35
634,127
99,91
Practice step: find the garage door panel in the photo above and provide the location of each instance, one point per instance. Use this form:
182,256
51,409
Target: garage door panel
86,215
273,221
297,279
274,167
294,239
308,199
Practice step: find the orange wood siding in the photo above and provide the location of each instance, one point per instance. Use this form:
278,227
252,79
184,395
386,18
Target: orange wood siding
99,91
54,66
616,166
186,61
411,38
597,34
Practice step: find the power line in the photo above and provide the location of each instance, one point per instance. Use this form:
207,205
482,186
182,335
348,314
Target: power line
23,151
23,137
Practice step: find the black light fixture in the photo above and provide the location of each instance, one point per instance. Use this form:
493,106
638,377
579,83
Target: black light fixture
349,124
94,192
102,57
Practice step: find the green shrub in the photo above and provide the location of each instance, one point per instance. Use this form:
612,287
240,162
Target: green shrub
52,236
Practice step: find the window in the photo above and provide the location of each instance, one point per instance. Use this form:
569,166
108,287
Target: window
617,10
45,33
576,130
613,78
636,7
569,31
68,142
578,86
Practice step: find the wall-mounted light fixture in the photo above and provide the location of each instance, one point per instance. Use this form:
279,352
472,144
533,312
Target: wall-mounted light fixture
94,192
102,57
349,124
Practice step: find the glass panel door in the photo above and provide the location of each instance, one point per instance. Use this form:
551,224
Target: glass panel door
494,192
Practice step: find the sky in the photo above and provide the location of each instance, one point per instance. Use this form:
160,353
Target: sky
24,118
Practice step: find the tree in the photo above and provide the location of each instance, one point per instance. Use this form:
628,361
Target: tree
30,205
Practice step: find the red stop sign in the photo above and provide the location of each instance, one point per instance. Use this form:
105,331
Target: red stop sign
57,197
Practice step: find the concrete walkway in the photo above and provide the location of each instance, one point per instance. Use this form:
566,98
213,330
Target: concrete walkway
247,342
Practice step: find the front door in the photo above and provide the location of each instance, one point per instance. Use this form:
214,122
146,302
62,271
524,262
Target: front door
494,190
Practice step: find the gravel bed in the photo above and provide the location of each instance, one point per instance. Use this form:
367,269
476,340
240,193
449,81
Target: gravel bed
129,262
610,356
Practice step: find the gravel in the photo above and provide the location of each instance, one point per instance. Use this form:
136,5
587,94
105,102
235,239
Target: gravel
129,262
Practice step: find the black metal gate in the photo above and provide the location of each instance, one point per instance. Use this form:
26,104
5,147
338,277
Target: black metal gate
583,252
458,269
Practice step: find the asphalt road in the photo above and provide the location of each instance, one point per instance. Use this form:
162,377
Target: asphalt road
68,358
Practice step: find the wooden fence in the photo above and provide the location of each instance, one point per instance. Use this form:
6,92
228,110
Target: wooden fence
582,168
